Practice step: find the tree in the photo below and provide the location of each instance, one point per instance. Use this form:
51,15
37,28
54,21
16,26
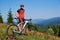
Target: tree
55,30
10,18
58,30
50,31
1,19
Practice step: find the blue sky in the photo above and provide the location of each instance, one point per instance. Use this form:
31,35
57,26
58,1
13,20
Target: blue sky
33,8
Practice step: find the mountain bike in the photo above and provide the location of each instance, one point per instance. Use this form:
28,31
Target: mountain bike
13,30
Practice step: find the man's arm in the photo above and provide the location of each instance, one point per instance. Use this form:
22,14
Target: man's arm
17,15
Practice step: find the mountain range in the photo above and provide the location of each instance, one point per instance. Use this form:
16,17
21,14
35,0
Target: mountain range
46,22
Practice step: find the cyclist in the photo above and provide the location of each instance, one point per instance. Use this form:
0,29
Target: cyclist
20,15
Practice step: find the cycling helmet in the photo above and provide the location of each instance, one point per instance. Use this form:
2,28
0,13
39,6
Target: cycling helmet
22,5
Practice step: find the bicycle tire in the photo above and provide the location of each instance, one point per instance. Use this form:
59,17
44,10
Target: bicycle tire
9,30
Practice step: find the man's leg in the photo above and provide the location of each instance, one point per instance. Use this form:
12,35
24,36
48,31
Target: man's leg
21,26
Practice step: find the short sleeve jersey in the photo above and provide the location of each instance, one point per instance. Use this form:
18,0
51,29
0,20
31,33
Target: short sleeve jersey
21,13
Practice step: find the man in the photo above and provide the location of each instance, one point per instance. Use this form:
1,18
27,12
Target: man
20,15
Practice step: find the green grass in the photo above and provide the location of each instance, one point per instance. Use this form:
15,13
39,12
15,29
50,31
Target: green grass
30,37
3,28
3,31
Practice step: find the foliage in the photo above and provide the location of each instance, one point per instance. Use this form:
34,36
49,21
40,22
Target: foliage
1,19
10,18
50,31
56,29
59,30
33,27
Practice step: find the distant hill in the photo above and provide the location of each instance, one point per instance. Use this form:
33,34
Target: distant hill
46,22
37,20
51,21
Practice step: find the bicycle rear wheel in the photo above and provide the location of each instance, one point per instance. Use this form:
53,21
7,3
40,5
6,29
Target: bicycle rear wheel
9,32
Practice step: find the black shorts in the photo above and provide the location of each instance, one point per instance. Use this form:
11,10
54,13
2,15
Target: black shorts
20,20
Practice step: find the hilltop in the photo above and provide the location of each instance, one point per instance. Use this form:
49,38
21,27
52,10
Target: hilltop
34,35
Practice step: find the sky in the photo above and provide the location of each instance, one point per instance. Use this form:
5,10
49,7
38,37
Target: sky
34,9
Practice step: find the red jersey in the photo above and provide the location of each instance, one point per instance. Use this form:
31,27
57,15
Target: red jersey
21,13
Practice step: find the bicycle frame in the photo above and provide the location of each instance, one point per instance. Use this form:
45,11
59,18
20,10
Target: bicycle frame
23,25
26,21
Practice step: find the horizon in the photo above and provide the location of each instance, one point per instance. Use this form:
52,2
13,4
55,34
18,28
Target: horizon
35,9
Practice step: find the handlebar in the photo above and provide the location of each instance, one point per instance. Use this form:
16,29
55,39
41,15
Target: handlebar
27,19
15,18
24,19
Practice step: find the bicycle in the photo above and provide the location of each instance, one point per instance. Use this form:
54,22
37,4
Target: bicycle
12,30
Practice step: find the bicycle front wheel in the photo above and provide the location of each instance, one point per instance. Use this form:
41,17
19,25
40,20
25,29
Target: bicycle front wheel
9,32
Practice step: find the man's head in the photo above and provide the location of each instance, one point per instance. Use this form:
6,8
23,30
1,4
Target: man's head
21,6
